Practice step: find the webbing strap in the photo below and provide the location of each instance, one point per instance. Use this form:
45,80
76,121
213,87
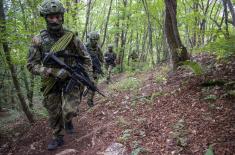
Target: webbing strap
62,43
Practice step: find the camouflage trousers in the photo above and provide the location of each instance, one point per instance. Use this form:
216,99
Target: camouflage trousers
61,109
109,69
91,94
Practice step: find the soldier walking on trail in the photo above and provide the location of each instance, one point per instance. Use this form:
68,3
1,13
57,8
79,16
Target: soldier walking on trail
109,58
97,60
133,57
61,106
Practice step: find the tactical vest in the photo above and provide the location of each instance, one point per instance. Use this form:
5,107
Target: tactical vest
110,58
92,51
47,41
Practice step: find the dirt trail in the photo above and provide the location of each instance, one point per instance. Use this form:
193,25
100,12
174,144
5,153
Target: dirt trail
175,116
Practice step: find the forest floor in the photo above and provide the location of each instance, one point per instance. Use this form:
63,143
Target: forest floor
163,113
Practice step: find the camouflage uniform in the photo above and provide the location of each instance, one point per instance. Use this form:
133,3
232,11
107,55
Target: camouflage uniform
61,107
109,58
134,58
95,51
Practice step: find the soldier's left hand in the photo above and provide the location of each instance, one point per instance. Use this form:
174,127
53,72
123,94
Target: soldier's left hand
62,74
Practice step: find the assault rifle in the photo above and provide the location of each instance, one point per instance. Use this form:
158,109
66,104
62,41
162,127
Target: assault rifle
96,64
77,74
110,59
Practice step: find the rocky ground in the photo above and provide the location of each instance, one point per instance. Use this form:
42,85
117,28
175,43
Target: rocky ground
165,113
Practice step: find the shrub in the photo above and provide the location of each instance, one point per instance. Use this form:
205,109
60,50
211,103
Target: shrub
130,83
194,66
223,47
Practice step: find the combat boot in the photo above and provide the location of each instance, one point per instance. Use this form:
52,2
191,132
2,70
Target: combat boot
55,143
107,80
69,127
90,103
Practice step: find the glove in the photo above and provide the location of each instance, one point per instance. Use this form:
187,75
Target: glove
62,74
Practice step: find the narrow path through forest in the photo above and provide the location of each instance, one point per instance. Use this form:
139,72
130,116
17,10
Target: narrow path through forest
165,113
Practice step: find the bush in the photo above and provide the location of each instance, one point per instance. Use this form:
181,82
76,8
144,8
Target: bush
130,83
194,66
223,47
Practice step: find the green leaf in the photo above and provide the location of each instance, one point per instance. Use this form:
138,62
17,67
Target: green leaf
194,66
136,151
210,98
209,151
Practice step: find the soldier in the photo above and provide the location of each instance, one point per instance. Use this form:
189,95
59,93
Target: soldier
97,60
61,106
110,58
134,58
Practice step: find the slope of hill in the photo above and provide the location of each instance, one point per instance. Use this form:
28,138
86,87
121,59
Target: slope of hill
153,112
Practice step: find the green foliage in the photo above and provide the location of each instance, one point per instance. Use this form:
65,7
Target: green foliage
11,116
210,98
156,94
161,75
122,122
130,83
209,151
40,112
126,134
231,93
138,150
194,66
223,47
160,79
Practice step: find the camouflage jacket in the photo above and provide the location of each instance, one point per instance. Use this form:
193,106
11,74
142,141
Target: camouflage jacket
42,43
95,51
110,58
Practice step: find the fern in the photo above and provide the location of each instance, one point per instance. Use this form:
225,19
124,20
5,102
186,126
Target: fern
223,47
194,66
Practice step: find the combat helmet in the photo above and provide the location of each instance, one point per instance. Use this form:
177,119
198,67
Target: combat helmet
110,45
94,35
51,7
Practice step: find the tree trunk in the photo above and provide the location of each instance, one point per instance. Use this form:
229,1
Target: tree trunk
158,51
226,18
143,52
122,51
165,54
137,44
116,36
29,85
107,21
123,37
194,37
87,19
12,67
178,51
149,31
231,8
31,92
29,88
130,42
